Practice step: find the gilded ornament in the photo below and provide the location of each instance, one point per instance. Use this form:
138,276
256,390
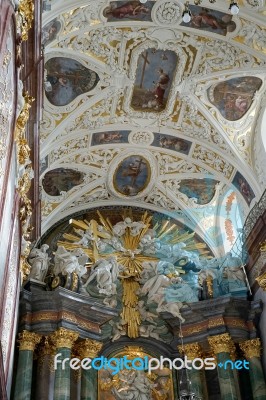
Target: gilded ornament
262,281
209,282
215,322
23,150
251,348
24,268
192,350
221,343
88,348
23,116
263,246
25,17
28,340
64,338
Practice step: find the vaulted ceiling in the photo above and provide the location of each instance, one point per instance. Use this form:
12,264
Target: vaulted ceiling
143,110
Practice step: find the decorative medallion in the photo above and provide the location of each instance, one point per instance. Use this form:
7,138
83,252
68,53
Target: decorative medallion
168,13
141,138
132,174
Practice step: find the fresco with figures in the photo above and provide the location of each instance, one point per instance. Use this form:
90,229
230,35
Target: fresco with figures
243,187
234,97
128,10
171,143
210,20
202,190
99,138
154,76
132,175
50,31
60,180
66,78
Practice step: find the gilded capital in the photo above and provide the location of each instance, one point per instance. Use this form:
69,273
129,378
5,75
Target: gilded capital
46,347
88,348
64,338
28,340
251,348
191,350
221,343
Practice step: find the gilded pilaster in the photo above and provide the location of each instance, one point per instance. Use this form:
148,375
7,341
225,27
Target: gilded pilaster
88,349
252,351
223,347
27,343
63,339
193,351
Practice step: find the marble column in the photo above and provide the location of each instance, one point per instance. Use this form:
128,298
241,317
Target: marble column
193,351
63,339
27,343
222,346
252,351
89,383
44,386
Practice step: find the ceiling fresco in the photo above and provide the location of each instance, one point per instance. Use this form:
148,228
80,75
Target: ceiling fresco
143,110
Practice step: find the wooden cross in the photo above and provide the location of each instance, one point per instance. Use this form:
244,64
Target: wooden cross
146,61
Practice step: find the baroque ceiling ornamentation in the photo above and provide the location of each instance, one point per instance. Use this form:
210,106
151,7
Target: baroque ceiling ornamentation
125,86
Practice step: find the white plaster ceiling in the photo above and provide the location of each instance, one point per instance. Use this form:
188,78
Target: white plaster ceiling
218,149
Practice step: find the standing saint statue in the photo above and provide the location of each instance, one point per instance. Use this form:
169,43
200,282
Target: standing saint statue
39,261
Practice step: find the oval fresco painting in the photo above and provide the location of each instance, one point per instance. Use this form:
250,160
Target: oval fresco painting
65,79
50,31
60,180
132,176
234,97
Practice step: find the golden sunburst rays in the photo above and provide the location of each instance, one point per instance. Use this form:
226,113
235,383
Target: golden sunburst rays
130,313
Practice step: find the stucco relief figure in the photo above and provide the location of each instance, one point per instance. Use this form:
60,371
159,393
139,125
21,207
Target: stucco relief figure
39,261
118,330
67,262
135,227
105,271
133,385
145,314
235,274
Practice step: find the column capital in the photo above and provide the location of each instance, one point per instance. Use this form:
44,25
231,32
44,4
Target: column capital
191,350
221,343
28,340
64,338
251,348
46,347
88,348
